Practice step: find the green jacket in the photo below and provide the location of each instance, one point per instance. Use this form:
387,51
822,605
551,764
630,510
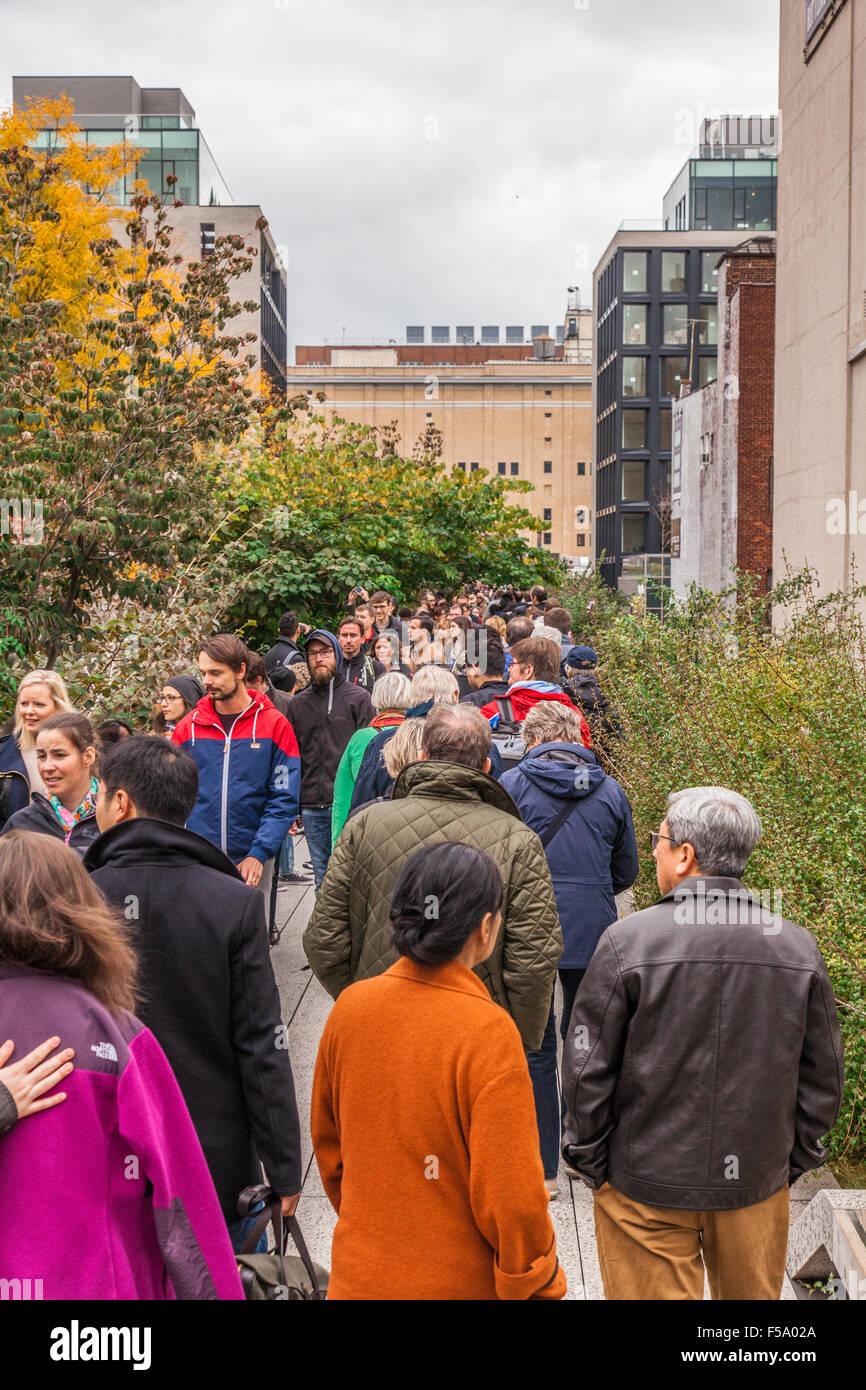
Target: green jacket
348,936
347,772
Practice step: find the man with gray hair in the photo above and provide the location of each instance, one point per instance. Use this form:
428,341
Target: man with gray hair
446,795
702,1066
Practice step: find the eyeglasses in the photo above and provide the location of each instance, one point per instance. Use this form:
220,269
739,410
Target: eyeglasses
655,837
167,699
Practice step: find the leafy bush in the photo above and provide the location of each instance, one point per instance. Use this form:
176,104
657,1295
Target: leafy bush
715,697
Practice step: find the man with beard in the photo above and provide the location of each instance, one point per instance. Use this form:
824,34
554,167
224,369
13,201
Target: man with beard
324,717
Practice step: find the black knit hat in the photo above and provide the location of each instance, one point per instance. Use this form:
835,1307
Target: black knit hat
189,687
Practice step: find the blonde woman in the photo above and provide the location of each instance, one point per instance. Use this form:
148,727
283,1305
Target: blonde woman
40,694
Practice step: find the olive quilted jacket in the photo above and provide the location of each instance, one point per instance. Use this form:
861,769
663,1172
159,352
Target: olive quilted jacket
349,935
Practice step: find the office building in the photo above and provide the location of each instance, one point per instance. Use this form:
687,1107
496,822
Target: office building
160,123
519,410
656,333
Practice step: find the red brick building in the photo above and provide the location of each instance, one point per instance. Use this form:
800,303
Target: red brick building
722,447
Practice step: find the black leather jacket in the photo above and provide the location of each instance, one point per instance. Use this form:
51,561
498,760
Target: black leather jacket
704,1058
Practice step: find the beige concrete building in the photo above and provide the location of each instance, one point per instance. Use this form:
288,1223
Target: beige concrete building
527,415
820,413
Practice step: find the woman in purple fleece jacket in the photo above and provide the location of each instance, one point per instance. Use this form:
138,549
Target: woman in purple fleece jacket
106,1196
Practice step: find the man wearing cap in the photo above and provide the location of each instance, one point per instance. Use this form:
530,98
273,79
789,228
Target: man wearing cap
324,718
580,680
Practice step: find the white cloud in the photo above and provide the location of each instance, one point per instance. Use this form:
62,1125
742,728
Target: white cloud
554,124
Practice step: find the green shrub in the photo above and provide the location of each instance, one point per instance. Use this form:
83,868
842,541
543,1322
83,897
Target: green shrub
714,697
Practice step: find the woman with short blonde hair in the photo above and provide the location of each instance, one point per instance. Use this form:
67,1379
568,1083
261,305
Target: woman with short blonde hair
40,694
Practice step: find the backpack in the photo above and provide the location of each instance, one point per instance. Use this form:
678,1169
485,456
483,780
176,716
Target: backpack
507,735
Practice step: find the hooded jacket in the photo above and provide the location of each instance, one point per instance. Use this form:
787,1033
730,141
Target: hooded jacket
363,669
324,718
349,933
495,687
523,695
247,780
209,996
133,1211
703,1062
40,816
14,782
593,855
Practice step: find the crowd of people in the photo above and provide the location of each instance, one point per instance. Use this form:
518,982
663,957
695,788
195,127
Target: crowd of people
451,768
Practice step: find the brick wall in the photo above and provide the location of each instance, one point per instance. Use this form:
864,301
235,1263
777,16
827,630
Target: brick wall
748,283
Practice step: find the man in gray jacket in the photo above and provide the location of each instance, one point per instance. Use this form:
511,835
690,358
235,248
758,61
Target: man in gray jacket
702,1066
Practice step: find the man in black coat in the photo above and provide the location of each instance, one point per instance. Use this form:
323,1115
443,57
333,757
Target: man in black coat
285,651
486,675
207,986
702,1065
324,718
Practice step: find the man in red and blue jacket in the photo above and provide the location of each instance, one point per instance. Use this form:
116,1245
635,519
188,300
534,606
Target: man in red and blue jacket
249,769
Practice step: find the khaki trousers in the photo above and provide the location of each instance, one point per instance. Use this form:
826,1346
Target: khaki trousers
658,1253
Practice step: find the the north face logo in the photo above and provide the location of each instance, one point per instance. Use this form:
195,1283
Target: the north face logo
106,1051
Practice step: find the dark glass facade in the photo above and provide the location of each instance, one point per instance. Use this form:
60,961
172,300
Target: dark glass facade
273,325
656,328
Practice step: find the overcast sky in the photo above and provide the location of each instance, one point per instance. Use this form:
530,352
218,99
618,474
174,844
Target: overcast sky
428,161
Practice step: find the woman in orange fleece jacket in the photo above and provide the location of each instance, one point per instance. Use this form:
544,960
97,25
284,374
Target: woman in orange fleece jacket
423,1119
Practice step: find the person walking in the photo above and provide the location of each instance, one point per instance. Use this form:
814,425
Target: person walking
703,1064
486,675
193,919
66,757
432,685
247,760
580,671
40,694
391,696
533,677
178,696
420,1079
359,665
584,821
324,717
285,651
447,795
134,1211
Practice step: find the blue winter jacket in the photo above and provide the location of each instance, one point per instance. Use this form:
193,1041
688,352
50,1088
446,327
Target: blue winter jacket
248,781
594,853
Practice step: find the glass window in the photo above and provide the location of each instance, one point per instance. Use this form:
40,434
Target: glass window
183,144
514,333
514,469
708,324
581,540
465,333
673,371
548,465
633,480
709,370
473,467
634,323
547,538
634,429
634,272
634,376
581,470
634,534
664,429
673,272
441,333
501,467
548,515
709,272
490,333
675,324
677,457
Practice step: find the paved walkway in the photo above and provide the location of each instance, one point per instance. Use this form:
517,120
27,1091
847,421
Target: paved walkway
305,1007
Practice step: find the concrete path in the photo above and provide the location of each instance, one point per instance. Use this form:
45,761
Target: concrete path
305,1007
